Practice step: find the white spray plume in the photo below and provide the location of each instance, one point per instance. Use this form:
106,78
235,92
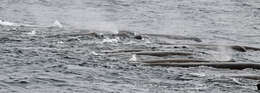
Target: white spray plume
223,53
57,24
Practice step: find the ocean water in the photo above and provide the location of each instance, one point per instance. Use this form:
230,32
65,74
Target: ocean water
65,60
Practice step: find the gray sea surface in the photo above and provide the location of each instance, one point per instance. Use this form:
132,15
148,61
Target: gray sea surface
47,59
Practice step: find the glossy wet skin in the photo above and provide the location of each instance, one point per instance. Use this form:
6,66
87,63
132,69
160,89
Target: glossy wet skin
49,61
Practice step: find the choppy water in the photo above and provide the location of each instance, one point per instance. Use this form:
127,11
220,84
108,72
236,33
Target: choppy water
53,60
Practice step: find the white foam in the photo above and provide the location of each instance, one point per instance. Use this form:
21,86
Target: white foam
6,23
198,74
33,32
133,58
236,81
94,53
108,40
60,42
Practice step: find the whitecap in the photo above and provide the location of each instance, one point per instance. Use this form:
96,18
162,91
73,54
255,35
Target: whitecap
60,42
33,32
198,74
94,53
133,58
108,40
